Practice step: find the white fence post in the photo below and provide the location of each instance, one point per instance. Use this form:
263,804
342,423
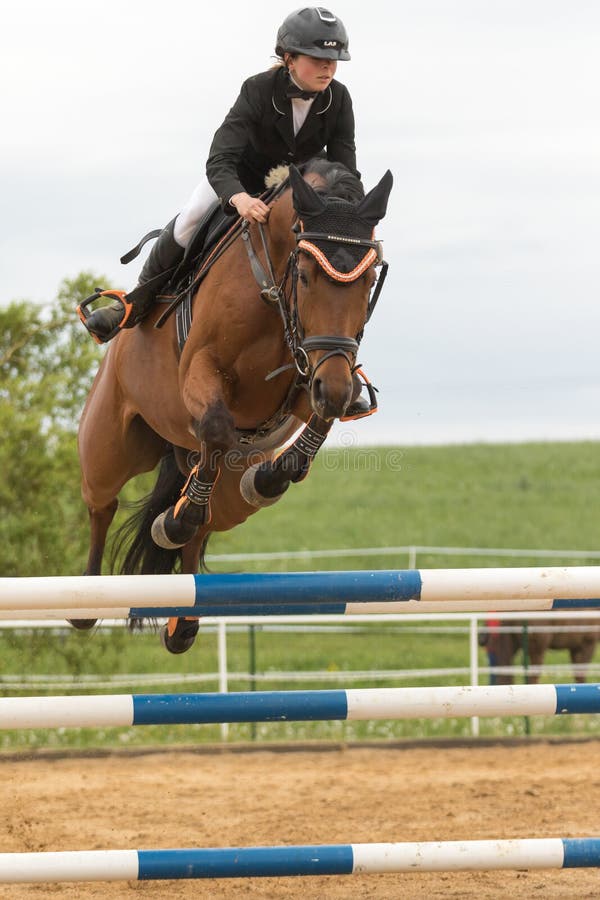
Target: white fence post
223,675
474,666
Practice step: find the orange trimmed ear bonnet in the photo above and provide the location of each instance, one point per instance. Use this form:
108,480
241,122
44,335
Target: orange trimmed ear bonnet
329,226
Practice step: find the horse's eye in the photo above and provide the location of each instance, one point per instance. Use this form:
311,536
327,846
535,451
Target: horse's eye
303,277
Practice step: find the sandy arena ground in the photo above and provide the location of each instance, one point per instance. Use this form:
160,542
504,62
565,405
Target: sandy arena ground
340,795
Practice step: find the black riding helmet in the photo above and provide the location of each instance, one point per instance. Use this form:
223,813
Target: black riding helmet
313,31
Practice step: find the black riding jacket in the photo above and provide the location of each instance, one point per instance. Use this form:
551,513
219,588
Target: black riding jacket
258,134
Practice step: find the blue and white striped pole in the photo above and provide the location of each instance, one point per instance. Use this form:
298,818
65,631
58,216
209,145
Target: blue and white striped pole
257,862
298,706
302,593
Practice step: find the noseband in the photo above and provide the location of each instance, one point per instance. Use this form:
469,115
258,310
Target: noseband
284,296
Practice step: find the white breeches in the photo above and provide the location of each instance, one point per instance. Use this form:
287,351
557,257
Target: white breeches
202,198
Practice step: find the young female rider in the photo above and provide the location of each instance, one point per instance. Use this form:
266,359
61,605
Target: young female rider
284,115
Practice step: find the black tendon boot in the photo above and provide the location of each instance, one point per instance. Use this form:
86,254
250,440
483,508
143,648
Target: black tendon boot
126,310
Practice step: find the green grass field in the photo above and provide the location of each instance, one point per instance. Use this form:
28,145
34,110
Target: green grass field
535,496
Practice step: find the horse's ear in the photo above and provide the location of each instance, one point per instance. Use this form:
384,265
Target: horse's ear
373,206
307,202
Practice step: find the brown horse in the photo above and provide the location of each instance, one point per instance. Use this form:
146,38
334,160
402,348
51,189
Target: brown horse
257,366
502,646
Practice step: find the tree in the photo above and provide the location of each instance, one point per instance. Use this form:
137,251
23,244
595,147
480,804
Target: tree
47,363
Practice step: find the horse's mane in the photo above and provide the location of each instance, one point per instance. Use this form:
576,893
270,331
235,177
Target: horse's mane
338,180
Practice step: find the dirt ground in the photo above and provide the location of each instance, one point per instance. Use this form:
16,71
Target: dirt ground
336,795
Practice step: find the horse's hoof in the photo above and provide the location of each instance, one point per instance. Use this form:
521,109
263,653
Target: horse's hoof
82,624
249,492
181,637
170,534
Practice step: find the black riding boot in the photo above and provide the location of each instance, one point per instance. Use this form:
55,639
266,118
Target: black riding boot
126,310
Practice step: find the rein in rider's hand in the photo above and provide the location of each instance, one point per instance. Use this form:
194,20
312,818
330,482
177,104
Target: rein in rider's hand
250,207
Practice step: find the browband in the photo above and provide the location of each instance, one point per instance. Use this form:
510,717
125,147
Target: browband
368,259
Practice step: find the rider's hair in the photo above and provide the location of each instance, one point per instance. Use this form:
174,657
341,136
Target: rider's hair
280,61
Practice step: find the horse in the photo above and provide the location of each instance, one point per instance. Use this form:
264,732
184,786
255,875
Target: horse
240,412
503,646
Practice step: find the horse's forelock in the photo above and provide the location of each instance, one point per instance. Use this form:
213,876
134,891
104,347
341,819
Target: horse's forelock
337,181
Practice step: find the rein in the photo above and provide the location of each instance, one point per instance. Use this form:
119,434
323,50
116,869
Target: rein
284,296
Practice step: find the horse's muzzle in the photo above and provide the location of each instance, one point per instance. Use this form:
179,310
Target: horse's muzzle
329,397
330,378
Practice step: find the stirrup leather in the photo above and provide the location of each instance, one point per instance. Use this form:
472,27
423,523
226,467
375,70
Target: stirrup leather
119,297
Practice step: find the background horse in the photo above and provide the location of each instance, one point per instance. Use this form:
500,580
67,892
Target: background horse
195,411
502,646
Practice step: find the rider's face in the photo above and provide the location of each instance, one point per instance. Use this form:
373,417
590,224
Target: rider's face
312,74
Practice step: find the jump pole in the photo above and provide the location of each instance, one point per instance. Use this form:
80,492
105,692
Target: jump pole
298,706
257,862
302,593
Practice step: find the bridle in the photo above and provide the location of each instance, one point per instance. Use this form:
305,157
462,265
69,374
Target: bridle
284,295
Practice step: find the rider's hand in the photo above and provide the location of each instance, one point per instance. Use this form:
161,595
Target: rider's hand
250,207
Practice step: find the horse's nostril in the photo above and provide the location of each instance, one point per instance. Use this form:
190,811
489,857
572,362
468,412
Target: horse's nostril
317,389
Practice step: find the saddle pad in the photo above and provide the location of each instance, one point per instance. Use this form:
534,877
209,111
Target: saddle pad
183,318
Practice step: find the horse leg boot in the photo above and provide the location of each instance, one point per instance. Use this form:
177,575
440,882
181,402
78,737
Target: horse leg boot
179,634
179,524
126,310
263,484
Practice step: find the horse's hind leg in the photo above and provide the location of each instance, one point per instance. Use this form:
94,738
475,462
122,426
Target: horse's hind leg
112,449
100,520
581,657
537,651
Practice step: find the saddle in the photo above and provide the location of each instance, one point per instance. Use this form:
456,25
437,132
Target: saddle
202,250
209,231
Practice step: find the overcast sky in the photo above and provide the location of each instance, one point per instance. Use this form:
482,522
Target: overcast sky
486,111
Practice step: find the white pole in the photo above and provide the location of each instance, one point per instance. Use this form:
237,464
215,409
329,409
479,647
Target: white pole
360,704
456,856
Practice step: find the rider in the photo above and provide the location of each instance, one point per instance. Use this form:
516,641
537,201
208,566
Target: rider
288,114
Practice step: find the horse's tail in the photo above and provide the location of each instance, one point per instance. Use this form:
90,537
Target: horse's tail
143,556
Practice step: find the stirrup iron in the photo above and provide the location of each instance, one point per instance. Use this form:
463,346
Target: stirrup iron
359,408
85,314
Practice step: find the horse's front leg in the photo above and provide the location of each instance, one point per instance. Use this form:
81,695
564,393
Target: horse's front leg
264,483
212,425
